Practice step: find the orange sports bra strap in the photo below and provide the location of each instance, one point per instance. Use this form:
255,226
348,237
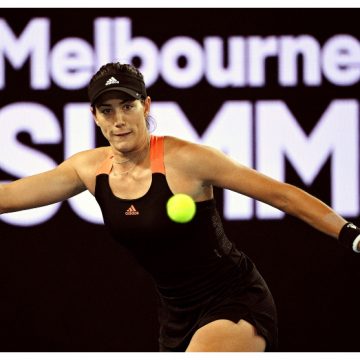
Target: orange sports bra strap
105,167
157,154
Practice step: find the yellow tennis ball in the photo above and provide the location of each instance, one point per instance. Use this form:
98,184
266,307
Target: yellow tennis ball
181,208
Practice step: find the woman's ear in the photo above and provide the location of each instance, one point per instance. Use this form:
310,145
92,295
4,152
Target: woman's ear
92,109
147,105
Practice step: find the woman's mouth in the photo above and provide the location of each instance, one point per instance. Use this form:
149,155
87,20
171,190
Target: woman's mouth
122,134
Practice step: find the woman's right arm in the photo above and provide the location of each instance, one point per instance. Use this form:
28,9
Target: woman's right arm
42,189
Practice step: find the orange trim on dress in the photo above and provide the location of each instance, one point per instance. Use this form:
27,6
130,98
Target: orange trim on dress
105,167
156,158
157,154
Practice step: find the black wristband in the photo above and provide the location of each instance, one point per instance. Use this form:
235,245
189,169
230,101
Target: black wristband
349,236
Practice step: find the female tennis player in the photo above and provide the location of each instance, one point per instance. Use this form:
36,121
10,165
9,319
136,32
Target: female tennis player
212,297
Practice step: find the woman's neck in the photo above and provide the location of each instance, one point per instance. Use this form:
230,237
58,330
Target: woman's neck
125,162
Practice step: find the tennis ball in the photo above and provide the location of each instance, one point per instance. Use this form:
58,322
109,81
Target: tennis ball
181,208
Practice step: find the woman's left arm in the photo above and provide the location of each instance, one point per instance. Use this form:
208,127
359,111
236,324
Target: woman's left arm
222,171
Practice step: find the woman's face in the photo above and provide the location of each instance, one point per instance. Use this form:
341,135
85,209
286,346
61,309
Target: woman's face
122,121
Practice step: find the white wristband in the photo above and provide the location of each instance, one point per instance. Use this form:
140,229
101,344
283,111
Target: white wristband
355,244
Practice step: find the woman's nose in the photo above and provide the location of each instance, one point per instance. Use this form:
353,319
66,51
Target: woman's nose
119,119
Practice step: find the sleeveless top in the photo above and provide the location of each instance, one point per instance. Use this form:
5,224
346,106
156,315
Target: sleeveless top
191,263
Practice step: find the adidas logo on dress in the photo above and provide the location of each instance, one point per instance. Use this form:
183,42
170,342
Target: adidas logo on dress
131,211
112,80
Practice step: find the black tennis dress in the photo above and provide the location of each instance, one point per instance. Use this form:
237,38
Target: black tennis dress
199,274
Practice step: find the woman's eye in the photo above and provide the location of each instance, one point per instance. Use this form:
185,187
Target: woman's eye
106,111
128,107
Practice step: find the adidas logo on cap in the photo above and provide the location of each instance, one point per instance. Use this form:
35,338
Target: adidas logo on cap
131,211
111,81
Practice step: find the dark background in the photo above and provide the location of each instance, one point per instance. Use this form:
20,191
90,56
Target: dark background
66,286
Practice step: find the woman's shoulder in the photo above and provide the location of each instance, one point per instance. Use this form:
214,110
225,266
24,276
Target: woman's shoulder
173,143
90,158
86,164
184,148
186,155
